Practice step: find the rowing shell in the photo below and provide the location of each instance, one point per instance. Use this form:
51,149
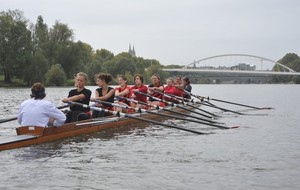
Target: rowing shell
30,135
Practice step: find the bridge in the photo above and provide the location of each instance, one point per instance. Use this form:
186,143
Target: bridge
232,67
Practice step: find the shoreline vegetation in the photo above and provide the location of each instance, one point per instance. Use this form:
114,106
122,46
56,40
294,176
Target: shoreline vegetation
37,52
17,83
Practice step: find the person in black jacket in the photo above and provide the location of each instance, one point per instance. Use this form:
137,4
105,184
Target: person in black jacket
80,95
187,87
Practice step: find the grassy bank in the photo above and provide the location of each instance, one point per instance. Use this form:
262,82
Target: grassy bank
14,83
20,83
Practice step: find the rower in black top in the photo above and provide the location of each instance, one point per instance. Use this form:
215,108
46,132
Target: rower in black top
80,95
103,93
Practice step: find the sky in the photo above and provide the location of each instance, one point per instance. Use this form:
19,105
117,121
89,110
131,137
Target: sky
175,31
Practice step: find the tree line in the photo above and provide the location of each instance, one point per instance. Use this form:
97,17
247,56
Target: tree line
36,52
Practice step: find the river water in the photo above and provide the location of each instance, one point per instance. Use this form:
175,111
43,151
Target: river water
263,153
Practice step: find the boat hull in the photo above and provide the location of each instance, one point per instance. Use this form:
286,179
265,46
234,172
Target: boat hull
30,135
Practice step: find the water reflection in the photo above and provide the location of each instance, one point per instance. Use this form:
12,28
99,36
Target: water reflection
79,144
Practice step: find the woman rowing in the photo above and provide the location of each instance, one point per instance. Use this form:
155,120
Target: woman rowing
80,95
179,86
122,91
39,112
103,93
156,89
139,87
187,87
170,89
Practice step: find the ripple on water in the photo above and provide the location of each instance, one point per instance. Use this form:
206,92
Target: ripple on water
261,154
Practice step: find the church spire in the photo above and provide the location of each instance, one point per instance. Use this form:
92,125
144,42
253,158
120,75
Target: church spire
131,51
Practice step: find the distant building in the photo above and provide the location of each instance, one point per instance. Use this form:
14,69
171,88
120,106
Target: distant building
243,67
131,51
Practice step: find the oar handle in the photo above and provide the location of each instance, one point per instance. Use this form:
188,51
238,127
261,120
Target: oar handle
132,100
173,104
155,98
171,96
113,104
63,106
174,96
90,107
122,106
189,93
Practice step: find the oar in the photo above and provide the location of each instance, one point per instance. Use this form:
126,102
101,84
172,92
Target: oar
173,104
132,100
238,104
166,109
166,115
119,114
191,120
188,93
203,110
15,118
210,104
8,119
223,101
183,101
206,103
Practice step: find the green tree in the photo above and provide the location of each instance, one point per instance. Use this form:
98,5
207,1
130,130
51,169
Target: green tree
60,38
15,43
56,76
103,55
295,65
96,63
108,67
94,68
129,77
40,36
36,70
76,57
140,66
290,60
122,66
174,66
156,69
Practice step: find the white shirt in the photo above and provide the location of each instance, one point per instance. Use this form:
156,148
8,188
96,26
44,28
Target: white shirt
37,113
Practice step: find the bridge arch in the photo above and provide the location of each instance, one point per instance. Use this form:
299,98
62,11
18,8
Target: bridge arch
240,55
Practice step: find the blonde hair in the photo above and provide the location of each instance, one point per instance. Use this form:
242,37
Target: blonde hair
81,74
